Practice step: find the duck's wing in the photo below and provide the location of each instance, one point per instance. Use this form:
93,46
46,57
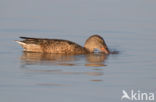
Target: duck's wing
29,40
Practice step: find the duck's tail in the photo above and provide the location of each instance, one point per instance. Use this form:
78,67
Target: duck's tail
29,47
24,45
20,42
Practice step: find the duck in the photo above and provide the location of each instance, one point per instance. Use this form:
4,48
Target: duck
61,46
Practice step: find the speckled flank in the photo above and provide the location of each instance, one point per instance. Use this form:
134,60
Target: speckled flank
61,46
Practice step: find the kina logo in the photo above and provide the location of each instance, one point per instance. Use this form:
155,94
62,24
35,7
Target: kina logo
137,95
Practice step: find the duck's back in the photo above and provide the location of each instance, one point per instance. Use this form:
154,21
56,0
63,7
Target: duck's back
51,46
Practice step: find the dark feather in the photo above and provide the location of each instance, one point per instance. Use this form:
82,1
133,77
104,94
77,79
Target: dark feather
29,38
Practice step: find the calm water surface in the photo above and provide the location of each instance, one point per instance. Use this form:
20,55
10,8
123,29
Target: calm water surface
127,26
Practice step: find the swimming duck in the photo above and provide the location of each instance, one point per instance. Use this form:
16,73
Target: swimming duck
63,46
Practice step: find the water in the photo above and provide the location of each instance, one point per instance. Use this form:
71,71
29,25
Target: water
127,26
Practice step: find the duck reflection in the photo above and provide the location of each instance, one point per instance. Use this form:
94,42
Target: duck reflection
29,58
96,61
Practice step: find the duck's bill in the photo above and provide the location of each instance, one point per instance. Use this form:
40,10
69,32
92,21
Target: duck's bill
105,50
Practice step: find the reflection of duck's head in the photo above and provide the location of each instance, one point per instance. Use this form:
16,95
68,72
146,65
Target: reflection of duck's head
96,42
96,58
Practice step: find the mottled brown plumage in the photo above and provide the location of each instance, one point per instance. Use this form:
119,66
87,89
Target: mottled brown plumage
63,46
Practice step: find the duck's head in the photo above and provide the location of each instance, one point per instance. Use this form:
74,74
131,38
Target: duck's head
96,42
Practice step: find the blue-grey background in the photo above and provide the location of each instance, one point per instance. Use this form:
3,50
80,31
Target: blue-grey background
128,26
